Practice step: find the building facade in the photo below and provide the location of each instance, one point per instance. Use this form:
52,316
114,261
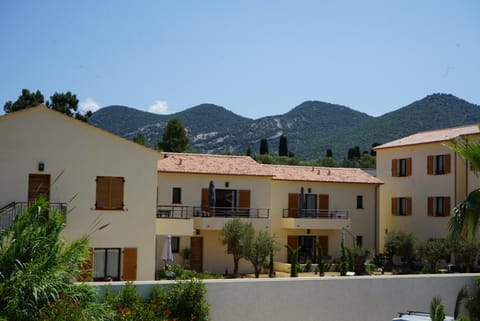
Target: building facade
423,181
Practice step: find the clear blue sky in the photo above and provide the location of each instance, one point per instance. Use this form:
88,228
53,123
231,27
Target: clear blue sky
255,58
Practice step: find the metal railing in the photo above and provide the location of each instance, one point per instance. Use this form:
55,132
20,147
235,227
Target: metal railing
8,212
314,213
241,212
175,211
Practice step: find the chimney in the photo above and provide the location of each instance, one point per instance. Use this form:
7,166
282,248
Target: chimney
313,169
318,173
180,161
328,172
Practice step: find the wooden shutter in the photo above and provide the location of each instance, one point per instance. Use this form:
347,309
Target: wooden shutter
86,271
38,185
430,206
394,167
323,242
204,199
394,206
409,166
448,162
323,204
116,193
129,264
430,165
408,204
196,257
244,201
293,204
292,241
447,205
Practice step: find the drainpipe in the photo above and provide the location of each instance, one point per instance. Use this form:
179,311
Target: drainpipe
376,218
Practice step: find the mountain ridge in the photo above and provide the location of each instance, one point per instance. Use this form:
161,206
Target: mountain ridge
312,127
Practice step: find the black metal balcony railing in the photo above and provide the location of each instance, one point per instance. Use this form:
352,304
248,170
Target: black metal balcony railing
8,212
314,213
174,211
187,212
241,212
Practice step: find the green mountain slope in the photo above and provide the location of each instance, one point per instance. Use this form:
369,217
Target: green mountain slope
311,127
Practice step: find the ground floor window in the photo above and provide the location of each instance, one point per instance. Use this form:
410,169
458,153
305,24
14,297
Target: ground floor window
307,249
106,264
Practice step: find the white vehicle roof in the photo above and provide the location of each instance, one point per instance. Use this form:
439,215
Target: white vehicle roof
416,316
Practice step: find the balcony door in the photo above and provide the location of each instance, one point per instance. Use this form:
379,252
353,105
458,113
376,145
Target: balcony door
38,185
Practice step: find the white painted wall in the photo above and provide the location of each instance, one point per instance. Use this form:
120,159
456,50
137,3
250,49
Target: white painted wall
362,298
77,153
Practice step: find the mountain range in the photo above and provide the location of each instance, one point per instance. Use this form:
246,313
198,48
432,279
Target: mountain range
311,127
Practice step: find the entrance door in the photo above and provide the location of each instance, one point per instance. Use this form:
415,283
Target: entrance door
38,185
323,242
196,257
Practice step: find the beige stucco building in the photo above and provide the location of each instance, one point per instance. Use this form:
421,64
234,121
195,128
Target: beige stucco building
106,186
337,203
424,179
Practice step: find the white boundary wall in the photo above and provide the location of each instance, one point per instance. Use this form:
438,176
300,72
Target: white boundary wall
363,298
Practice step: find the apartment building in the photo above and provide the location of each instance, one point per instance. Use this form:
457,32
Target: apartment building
423,181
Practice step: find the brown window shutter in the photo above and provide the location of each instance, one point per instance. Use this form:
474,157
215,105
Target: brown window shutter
394,167
408,202
38,185
447,206
323,205
430,165
204,199
292,241
293,204
102,193
409,166
448,162
244,201
129,264
86,271
116,193
430,206
394,206
244,198
323,242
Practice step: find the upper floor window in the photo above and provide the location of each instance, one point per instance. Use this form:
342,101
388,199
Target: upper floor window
402,206
359,201
439,206
402,167
176,195
438,164
109,193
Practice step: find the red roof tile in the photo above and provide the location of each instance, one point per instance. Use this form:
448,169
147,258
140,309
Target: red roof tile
433,136
322,174
211,164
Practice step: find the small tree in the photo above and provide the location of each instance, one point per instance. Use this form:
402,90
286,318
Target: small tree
400,244
329,153
232,234
175,137
257,247
283,146
140,139
263,146
293,255
437,309
433,250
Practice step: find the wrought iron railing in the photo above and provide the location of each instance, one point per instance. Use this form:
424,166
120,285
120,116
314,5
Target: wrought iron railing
314,213
241,212
175,211
8,212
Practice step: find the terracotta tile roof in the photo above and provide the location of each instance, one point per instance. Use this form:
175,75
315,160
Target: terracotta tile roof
211,164
440,135
322,174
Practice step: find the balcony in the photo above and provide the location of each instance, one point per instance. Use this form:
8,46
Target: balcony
9,211
174,220
214,218
294,218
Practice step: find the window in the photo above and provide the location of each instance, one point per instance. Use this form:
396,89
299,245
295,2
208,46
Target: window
402,206
439,206
109,194
359,241
401,167
106,264
175,241
438,164
176,195
359,201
